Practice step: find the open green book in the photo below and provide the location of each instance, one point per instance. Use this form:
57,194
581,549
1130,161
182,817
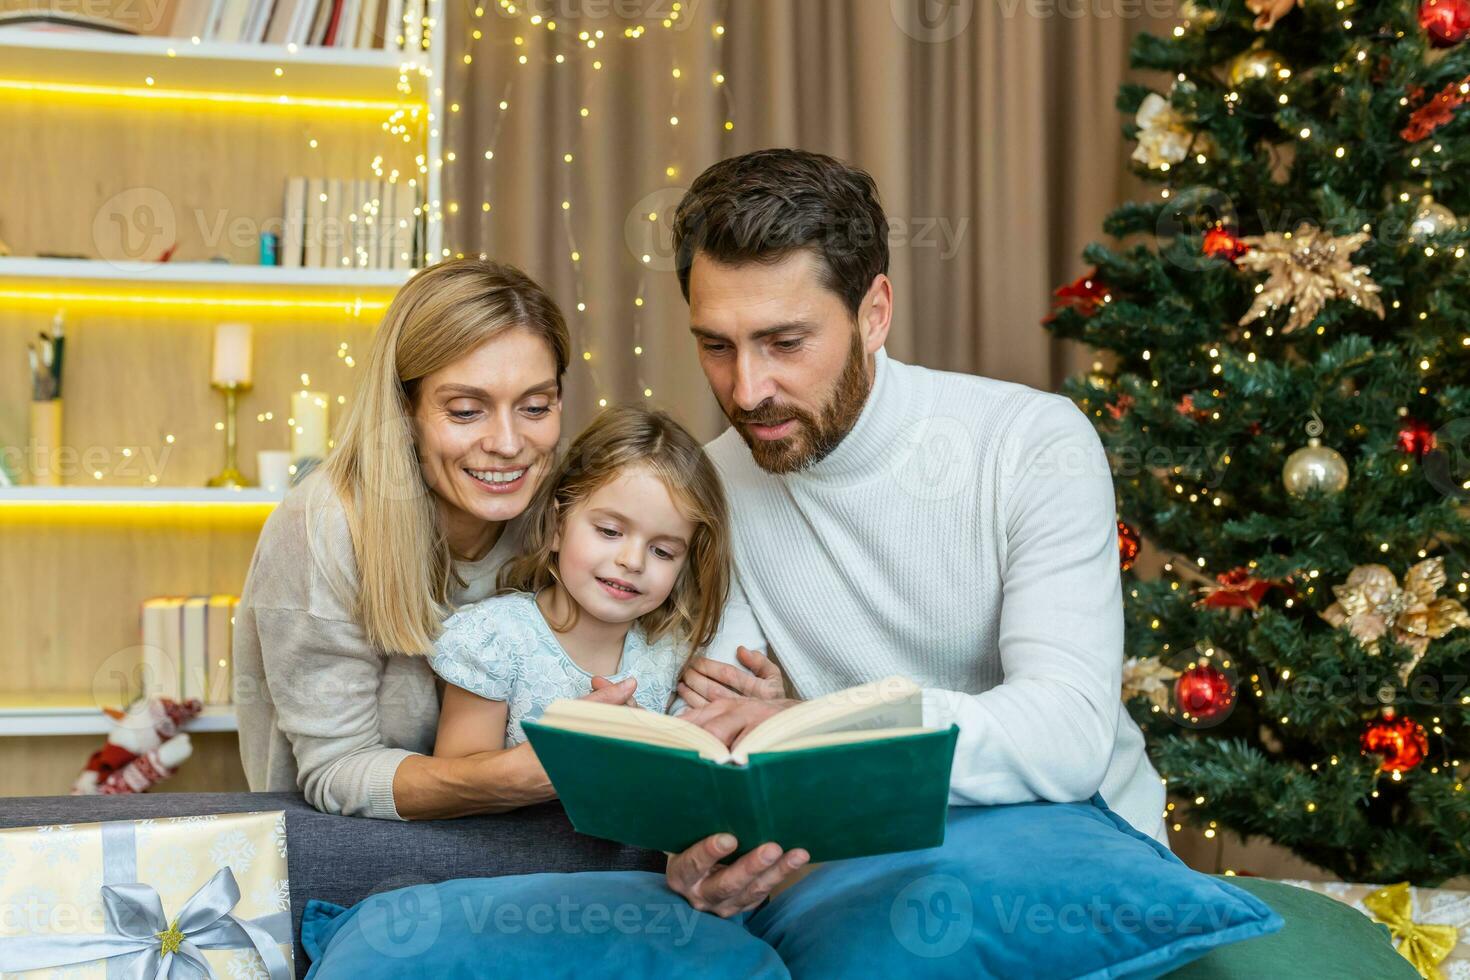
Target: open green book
844,775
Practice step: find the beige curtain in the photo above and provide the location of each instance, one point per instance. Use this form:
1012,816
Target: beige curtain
988,124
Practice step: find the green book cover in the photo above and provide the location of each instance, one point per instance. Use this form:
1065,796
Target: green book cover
836,801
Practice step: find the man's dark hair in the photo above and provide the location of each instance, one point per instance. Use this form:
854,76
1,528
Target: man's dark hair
762,206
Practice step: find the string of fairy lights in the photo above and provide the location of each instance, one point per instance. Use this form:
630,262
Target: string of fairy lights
547,44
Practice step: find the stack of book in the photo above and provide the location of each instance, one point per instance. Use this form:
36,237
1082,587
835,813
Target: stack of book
351,224
392,24
186,647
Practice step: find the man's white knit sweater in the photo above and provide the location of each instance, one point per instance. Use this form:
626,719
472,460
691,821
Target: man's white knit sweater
962,534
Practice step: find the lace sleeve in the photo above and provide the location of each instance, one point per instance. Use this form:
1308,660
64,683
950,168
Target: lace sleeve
476,652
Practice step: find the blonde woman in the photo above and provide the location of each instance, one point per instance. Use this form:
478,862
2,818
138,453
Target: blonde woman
450,433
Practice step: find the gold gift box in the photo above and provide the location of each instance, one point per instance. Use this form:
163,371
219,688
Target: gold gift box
52,878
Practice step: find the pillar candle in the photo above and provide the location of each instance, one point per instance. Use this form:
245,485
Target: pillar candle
308,424
231,354
273,469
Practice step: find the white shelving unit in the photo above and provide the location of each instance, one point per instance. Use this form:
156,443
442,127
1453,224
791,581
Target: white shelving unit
99,271
136,495
178,64
88,719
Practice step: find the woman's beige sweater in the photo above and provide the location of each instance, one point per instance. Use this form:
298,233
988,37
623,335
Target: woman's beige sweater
320,709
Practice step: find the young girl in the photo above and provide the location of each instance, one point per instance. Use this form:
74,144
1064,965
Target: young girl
625,571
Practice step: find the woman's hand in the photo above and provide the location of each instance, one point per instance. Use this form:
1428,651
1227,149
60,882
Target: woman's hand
707,680
603,691
607,692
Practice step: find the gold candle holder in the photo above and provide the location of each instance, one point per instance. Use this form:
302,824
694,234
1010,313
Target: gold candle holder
231,476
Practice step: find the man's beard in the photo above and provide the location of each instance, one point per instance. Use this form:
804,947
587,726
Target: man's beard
814,438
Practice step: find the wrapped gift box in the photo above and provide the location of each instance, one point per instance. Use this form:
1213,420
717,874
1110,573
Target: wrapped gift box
195,896
1435,921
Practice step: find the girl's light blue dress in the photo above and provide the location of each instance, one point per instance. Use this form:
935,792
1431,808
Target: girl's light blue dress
501,648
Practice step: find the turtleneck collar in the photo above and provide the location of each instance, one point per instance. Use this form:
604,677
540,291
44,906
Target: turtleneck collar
873,438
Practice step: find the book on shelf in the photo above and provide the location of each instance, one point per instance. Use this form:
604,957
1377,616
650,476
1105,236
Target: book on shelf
393,24
387,230
845,775
191,648
293,223
412,24
331,228
186,647
408,231
190,18
281,25
370,25
333,23
364,232
321,18
323,23
332,223
358,201
316,195
163,625
229,21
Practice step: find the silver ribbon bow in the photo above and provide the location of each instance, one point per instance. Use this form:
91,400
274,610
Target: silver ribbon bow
141,943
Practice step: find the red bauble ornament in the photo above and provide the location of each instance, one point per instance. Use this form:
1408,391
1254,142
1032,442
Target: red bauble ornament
1203,692
1446,21
1400,741
1128,545
1416,438
1220,242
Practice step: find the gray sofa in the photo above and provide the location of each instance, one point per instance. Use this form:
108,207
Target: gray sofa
345,859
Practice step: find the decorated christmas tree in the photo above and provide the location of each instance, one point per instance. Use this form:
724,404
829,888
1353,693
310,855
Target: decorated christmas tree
1283,359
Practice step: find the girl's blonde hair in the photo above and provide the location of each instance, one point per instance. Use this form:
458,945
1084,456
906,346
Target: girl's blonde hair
616,439
404,565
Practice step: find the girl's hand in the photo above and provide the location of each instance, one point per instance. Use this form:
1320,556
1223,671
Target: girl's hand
707,680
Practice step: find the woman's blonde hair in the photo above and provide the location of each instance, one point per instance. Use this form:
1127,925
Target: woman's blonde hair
619,438
404,565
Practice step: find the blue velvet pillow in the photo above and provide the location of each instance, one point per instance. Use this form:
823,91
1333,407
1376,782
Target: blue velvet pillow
602,923
1026,890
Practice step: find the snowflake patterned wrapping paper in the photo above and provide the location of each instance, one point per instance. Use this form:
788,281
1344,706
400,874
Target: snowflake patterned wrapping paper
197,896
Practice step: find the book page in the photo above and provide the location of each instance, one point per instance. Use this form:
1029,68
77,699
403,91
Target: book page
633,725
847,738
894,702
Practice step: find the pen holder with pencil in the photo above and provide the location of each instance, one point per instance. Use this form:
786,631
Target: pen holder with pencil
45,443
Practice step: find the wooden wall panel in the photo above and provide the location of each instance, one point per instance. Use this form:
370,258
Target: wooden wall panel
47,766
